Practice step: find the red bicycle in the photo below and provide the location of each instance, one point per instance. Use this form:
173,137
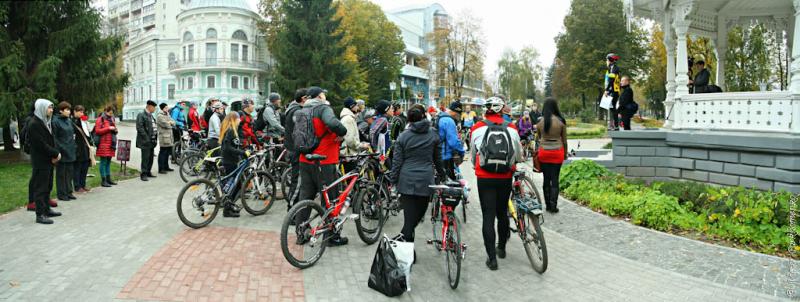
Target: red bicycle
314,225
446,234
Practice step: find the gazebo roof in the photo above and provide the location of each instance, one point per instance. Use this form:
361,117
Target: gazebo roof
705,15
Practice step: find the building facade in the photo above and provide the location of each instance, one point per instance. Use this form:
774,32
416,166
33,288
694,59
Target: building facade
189,50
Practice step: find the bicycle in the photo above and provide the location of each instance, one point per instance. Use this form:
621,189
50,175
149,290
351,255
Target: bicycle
198,164
465,185
446,233
524,203
312,232
256,191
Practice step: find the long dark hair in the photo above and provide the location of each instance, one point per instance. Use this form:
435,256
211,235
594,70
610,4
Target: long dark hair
549,110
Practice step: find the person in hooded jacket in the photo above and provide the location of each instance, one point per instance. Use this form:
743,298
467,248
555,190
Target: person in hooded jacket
64,134
415,158
44,155
352,143
291,154
105,128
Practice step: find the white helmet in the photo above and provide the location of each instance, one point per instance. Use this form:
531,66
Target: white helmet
495,104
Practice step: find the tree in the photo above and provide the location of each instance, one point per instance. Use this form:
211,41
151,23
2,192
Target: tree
655,90
54,50
548,80
594,28
519,72
747,60
374,43
308,49
457,54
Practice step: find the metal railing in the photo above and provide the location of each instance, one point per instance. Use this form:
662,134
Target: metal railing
211,63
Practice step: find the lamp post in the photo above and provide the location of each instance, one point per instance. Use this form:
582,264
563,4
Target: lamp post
155,41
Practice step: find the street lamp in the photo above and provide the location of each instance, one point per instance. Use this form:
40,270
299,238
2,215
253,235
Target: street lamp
155,41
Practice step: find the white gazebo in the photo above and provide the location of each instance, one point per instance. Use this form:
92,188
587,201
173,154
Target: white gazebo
776,112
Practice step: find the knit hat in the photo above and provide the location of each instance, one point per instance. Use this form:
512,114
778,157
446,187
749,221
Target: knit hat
273,97
315,91
162,105
456,106
382,106
349,103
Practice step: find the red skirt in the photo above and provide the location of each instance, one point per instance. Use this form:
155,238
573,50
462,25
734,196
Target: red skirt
551,156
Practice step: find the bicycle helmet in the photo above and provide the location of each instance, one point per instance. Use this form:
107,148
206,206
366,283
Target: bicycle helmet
612,57
369,113
495,104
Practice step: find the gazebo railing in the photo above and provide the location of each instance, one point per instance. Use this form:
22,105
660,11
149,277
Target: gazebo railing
772,111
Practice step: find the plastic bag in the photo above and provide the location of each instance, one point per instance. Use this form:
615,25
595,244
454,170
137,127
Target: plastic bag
404,253
386,276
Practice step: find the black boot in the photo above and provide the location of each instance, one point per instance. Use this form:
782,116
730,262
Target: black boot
552,205
104,182
143,177
491,263
110,182
230,212
43,219
337,240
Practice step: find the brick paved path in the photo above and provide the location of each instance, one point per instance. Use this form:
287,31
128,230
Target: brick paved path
126,243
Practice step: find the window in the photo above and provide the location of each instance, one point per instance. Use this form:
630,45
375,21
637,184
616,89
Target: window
184,54
211,33
171,60
234,82
150,92
150,63
171,91
211,53
141,93
190,50
244,53
239,35
190,83
211,82
235,52
187,36
246,83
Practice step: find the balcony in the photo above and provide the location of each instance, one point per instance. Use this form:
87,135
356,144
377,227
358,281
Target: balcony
217,64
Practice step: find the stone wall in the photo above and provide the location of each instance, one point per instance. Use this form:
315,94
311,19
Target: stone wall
756,160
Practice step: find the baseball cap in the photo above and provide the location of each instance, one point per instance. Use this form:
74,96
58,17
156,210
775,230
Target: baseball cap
315,91
456,106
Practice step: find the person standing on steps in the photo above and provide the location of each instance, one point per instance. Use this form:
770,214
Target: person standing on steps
64,134
106,130
626,106
146,138
612,83
496,149
83,150
552,136
165,138
44,155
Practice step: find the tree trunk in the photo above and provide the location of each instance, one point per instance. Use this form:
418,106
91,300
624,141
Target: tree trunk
8,141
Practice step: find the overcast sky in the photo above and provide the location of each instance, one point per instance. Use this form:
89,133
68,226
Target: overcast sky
506,23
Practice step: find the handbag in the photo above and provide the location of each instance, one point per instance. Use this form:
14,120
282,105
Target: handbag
386,276
92,149
537,164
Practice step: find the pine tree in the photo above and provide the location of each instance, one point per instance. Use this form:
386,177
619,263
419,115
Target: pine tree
54,50
308,49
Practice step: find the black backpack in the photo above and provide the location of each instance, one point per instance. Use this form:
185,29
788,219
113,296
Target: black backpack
496,150
260,123
303,135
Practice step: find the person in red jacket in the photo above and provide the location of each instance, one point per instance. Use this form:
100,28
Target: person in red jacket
494,189
106,128
194,118
246,124
330,132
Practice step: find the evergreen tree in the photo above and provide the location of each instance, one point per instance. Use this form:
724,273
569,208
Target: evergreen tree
308,49
54,50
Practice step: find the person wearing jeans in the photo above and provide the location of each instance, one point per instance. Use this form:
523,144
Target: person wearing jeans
64,134
83,153
106,129
552,150
166,140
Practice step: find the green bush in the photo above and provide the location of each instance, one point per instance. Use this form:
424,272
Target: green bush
578,170
587,115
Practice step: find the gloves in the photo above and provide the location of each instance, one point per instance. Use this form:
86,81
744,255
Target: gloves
247,153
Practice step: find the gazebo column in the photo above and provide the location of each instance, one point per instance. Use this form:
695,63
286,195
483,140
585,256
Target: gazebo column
794,86
721,47
681,25
669,102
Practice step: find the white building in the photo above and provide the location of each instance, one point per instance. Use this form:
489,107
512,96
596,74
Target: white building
189,50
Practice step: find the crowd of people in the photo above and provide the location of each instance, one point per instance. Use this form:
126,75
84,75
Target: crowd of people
422,146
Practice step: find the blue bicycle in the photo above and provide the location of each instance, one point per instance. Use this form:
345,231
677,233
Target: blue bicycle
200,199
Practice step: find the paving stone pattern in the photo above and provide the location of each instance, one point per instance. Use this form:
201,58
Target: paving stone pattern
109,243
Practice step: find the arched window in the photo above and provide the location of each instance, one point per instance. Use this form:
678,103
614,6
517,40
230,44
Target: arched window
211,33
187,36
234,82
239,35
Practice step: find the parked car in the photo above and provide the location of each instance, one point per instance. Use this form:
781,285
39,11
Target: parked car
14,134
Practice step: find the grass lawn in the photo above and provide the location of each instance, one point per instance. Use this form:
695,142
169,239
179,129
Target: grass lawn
15,176
586,130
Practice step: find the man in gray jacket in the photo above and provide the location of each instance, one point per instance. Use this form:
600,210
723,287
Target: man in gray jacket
273,128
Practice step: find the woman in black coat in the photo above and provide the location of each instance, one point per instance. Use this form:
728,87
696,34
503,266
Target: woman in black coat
82,154
64,134
44,155
415,155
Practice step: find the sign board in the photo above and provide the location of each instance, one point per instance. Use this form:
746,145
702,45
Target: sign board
123,150
392,86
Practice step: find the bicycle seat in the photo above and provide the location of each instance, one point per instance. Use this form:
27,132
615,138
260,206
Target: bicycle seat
212,159
452,183
315,157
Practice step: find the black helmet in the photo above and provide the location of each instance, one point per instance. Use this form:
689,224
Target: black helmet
612,57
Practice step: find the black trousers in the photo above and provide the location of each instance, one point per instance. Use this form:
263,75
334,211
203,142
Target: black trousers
64,176
228,169
294,162
450,168
177,137
550,186
40,186
311,180
494,194
414,208
613,119
626,121
213,143
163,158
80,170
147,160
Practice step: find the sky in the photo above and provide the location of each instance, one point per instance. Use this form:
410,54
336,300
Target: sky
507,24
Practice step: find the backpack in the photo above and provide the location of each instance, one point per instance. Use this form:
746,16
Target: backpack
260,123
496,150
632,107
379,127
435,124
303,135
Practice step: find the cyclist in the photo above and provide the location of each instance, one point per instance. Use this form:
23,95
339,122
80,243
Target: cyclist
379,130
494,174
398,121
273,129
214,125
329,130
452,147
553,150
299,99
246,125
352,145
363,127
525,126
231,155
612,88
416,156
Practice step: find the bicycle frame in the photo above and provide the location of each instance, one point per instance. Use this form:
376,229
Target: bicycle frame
243,165
334,211
444,210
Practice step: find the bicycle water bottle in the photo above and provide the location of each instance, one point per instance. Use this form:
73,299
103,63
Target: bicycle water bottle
346,205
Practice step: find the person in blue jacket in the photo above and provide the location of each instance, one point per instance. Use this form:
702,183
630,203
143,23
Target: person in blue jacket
177,131
452,147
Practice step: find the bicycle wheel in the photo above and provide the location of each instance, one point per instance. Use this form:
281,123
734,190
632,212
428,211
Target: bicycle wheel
189,168
436,224
302,247
464,208
529,190
276,172
277,169
258,193
386,203
453,251
370,216
286,184
533,241
198,203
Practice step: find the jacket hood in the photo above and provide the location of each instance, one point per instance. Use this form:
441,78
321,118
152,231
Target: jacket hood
422,126
40,111
292,105
315,103
346,112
